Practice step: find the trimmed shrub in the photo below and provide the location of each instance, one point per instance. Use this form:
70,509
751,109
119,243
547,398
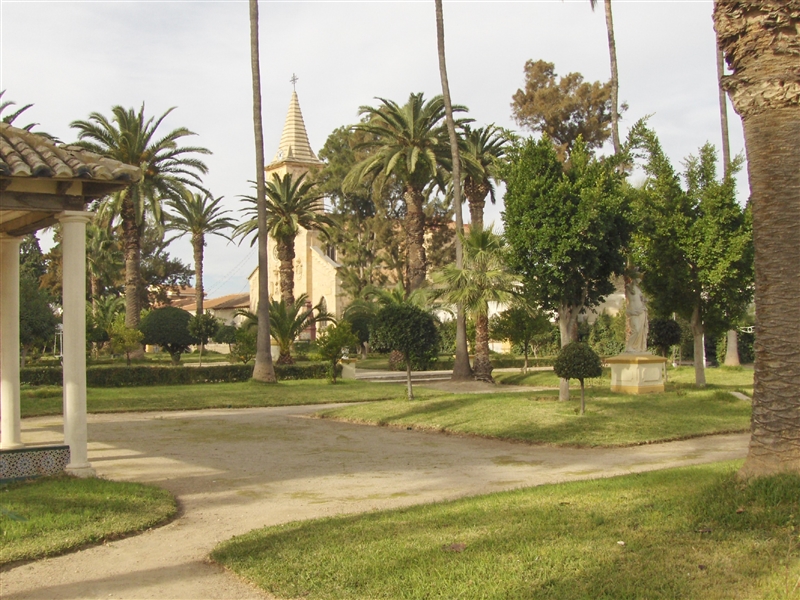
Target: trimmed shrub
163,375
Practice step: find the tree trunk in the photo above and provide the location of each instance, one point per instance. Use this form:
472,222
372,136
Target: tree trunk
761,41
476,193
408,378
583,399
568,329
525,366
415,239
732,350
483,366
198,242
698,337
286,257
461,368
94,290
263,369
612,53
133,258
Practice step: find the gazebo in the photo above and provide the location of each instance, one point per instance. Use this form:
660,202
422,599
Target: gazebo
41,184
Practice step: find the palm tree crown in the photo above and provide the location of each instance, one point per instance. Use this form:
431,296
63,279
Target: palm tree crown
482,148
410,143
167,169
198,215
290,205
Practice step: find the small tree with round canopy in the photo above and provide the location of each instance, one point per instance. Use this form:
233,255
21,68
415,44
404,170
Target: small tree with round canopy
168,327
578,361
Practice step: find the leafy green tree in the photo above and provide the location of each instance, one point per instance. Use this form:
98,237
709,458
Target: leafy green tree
564,109
198,215
521,323
607,334
483,149
409,143
168,327
103,261
695,244
161,273
567,228
578,361
124,340
167,168
482,280
408,330
226,334
332,342
37,323
244,349
101,319
291,204
663,334
203,326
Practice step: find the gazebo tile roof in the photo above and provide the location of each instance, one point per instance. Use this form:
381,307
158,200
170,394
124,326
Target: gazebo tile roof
26,154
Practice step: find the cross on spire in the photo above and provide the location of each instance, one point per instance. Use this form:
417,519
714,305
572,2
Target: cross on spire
293,81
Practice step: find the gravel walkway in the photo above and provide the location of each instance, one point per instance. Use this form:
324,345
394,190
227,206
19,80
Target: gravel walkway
235,470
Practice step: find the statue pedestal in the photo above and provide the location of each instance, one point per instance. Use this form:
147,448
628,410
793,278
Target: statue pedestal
637,373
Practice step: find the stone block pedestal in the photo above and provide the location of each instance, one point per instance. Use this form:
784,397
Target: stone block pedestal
637,373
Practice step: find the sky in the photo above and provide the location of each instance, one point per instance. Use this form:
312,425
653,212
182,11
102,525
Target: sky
71,58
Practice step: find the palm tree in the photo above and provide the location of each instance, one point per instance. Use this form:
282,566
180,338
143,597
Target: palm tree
9,118
288,321
290,205
409,143
760,41
167,169
198,215
612,53
482,280
263,369
102,257
483,147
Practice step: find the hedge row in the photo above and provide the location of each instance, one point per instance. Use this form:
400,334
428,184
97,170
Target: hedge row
134,376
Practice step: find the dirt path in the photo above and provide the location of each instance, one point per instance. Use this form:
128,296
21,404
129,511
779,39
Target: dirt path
235,470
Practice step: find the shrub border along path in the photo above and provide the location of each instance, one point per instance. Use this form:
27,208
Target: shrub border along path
236,470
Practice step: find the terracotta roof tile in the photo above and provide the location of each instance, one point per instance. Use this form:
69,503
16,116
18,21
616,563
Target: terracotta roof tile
26,154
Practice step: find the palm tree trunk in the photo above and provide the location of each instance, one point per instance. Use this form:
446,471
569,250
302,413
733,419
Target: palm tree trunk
415,239
197,245
286,258
698,335
612,52
263,369
461,368
483,366
410,389
133,259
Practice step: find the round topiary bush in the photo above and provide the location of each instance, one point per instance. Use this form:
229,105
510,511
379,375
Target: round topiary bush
578,361
168,327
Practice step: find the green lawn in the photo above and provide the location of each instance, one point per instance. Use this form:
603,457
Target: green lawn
43,400
538,417
679,533
52,515
729,378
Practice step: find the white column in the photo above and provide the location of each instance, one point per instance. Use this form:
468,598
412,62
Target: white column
9,342
73,245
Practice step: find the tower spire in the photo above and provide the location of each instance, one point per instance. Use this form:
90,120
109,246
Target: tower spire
294,145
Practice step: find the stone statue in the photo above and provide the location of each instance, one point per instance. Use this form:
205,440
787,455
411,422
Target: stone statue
636,313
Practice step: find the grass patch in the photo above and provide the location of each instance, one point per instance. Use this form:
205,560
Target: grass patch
688,533
610,420
51,515
38,401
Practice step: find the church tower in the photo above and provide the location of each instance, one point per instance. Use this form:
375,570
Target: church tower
294,153
315,273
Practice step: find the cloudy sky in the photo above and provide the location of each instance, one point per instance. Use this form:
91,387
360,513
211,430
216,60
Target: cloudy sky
72,58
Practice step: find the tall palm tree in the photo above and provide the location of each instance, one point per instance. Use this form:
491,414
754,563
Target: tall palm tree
167,168
290,205
461,367
409,143
483,147
482,280
10,117
103,255
263,369
612,53
761,42
198,215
